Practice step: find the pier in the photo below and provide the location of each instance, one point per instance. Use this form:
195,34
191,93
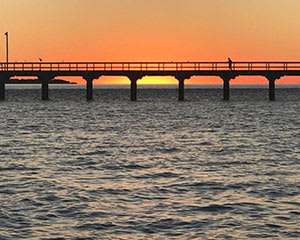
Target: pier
182,71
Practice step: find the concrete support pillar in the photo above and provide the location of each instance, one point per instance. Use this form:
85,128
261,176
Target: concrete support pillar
181,89
45,86
133,89
2,89
89,78
181,78
3,79
89,89
133,85
272,89
226,89
272,78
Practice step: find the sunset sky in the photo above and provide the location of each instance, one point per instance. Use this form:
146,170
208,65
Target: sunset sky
153,30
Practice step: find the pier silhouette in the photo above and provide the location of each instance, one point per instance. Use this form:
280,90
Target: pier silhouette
46,71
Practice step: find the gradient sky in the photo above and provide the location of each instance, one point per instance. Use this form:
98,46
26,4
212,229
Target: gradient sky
152,30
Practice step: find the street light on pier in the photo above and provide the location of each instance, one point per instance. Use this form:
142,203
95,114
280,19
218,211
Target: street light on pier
6,34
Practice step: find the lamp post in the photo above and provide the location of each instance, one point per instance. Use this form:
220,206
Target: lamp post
6,34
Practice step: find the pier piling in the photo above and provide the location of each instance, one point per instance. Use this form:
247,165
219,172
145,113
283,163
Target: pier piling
226,86
181,89
89,78
4,78
226,89
181,78
45,86
89,89
133,85
133,89
271,89
272,78
2,89
45,90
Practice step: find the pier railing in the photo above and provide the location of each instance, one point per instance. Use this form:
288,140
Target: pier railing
149,66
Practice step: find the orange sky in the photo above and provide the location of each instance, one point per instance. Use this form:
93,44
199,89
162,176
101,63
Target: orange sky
156,30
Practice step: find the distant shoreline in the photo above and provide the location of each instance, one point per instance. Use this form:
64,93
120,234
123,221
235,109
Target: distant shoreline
37,81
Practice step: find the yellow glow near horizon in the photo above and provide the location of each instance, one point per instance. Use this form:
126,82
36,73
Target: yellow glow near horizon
158,80
145,80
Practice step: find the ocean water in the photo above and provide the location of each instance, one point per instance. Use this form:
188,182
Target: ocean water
152,169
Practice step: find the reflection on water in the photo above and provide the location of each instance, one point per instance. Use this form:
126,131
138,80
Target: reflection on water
155,168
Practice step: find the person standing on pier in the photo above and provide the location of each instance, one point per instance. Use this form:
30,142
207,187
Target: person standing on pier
229,64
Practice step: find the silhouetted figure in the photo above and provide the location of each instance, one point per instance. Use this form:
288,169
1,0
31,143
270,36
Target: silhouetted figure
229,63
40,59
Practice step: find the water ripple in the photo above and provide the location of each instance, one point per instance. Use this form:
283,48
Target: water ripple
152,169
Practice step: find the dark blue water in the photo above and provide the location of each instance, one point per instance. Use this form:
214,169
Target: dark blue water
152,169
